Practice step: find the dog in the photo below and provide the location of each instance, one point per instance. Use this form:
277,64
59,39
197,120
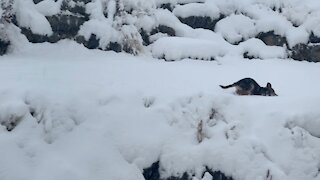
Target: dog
249,86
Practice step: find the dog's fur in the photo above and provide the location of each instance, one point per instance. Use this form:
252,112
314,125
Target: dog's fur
249,86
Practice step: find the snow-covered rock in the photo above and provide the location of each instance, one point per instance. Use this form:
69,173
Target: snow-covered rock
100,24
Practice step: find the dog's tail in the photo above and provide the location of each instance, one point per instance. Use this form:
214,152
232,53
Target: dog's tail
225,87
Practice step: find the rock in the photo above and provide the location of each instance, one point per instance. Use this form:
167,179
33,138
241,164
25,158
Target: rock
164,29
152,172
4,45
66,26
314,39
167,6
92,43
114,46
247,56
63,27
145,37
76,7
201,22
160,29
271,39
307,52
34,38
37,1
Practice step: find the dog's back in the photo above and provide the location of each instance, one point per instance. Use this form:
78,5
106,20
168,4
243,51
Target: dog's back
249,86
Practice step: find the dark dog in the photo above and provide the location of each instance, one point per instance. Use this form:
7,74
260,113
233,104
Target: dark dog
249,86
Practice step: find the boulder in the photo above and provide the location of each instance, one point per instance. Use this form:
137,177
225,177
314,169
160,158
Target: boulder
63,27
271,39
4,45
201,22
307,52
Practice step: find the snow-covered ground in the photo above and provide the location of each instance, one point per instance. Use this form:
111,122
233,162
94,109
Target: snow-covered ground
102,115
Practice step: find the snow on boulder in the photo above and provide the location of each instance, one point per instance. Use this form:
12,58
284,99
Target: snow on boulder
29,17
197,9
166,18
49,7
312,23
138,5
102,29
177,48
96,9
296,36
257,49
235,28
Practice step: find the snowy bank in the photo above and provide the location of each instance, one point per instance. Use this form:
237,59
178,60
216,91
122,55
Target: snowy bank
89,114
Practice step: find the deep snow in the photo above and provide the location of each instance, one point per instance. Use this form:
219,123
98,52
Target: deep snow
87,114
103,115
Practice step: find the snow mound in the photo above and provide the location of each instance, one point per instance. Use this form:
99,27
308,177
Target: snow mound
177,48
28,17
257,49
197,9
42,7
235,28
102,29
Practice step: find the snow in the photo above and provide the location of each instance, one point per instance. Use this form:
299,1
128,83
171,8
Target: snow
29,17
111,10
297,35
139,5
102,29
178,48
54,9
235,28
90,114
103,115
175,48
197,9
256,48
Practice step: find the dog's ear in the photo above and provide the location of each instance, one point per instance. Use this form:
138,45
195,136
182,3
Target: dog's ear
269,85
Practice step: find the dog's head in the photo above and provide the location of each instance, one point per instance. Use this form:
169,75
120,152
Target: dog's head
270,90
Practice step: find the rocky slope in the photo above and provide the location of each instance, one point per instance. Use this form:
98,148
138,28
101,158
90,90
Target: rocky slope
130,26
